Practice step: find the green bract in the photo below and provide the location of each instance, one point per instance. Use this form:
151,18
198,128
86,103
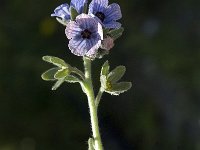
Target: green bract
49,74
109,80
56,61
74,13
61,73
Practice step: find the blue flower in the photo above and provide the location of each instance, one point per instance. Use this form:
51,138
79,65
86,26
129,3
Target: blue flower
85,34
107,14
63,11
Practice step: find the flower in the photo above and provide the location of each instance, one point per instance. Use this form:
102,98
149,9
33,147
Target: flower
107,14
63,11
85,34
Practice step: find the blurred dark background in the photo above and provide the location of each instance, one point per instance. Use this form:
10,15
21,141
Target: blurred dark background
160,48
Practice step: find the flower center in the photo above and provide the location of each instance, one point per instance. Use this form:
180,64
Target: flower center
100,15
86,34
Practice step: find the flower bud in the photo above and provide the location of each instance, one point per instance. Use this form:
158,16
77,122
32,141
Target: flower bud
107,43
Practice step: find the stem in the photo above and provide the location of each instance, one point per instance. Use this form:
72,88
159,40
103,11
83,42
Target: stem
88,87
78,72
98,98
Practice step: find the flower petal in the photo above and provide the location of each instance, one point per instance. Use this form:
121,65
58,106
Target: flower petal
72,30
113,12
78,46
62,11
113,25
97,6
78,5
93,50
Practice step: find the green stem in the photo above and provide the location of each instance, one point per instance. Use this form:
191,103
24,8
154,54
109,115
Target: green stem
88,87
98,98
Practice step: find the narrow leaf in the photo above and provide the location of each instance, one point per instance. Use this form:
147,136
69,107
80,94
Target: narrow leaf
74,13
116,74
71,79
62,73
116,33
49,74
105,68
55,60
58,84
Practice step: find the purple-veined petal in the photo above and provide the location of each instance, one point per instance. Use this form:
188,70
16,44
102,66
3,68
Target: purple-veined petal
113,12
78,46
94,44
72,30
97,6
62,11
78,5
85,34
112,24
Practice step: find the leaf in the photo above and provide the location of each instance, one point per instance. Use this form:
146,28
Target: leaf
72,79
56,61
103,81
62,73
91,144
58,83
116,33
49,74
116,74
119,88
105,68
74,13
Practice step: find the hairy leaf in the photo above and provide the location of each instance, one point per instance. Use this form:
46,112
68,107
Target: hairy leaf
49,74
119,88
116,74
61,73
105,69
71,79
56,61
58,83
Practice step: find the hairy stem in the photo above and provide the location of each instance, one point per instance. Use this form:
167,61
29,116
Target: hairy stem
88,87
98,98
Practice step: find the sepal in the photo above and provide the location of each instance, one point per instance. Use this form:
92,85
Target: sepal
85,8
74,13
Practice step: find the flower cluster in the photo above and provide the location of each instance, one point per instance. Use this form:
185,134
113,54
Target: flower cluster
91,32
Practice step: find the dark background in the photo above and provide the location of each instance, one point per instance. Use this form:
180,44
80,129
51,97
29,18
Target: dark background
160,48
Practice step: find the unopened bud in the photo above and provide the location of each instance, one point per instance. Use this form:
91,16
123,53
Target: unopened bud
107,43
